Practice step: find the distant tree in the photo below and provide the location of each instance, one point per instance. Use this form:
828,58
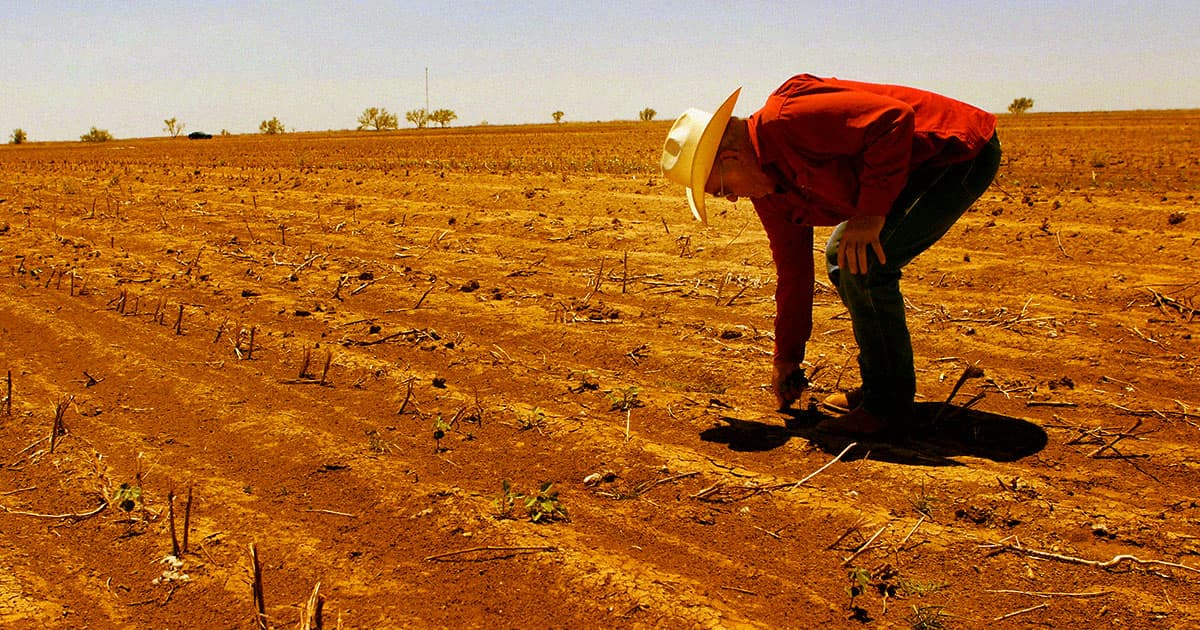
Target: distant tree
173,127
418,117
271,127
18,136
96,135
558,116
1020,105
442,117
378,119
646,115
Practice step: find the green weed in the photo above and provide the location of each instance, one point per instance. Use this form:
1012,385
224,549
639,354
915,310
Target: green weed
624,399
535,419
377,444
542,507
922,502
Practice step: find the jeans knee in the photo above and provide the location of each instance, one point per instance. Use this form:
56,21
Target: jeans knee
831,262
877,278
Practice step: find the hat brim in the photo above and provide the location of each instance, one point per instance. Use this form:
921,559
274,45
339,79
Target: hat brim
706,153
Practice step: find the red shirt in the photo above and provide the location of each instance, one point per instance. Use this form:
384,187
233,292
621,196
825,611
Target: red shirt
839,149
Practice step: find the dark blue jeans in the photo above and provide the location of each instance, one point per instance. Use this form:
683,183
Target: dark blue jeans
930,203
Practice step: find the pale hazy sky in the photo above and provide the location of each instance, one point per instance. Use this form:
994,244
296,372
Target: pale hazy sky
126,66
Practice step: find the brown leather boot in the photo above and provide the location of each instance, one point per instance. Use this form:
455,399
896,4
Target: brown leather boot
858,422
845,402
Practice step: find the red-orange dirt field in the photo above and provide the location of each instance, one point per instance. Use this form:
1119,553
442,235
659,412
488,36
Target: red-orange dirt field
497,377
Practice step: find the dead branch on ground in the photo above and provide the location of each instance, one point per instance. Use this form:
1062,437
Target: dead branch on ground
75,518
448,554
1110,564
720,492
1163,302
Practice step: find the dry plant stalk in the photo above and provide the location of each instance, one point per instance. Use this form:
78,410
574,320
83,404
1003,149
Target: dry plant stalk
187,518
407,397
310,615
171,521
337,291
865,546
1120,436
822,468
158,310
260,606
625,271
595,283
739,294
325,370
58,429
1031,608
237,344
971,371
422,298
8,396
304,361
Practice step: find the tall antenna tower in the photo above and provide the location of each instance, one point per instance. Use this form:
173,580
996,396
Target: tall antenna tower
426,88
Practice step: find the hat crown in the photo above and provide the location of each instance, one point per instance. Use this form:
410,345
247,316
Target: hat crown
680,147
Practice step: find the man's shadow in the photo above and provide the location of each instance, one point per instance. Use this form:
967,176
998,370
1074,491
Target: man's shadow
938,435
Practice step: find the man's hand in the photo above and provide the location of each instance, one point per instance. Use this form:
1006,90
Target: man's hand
859,234
787,382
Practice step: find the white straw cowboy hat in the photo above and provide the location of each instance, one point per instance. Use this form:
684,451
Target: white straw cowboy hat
691,147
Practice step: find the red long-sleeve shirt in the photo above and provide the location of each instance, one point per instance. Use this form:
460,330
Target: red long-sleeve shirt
840,149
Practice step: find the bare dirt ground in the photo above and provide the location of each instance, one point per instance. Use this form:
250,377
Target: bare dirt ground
366,355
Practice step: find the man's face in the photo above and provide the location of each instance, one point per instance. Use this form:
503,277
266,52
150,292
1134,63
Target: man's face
716,184
731,179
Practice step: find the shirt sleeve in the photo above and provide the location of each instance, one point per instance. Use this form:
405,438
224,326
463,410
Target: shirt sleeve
835,122
792,252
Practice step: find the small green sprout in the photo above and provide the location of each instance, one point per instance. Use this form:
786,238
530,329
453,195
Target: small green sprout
126,497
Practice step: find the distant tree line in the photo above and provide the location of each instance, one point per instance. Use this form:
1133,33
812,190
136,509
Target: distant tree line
372,118
380,119
646,115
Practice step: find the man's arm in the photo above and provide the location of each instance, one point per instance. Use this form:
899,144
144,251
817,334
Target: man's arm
791,250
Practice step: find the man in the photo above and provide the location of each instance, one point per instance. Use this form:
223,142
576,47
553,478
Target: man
892,167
